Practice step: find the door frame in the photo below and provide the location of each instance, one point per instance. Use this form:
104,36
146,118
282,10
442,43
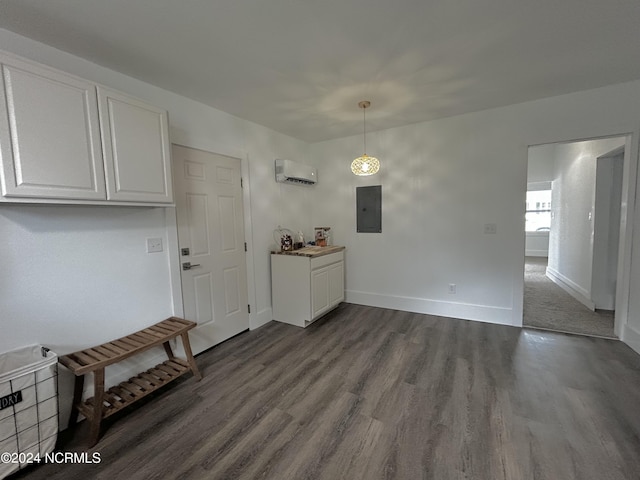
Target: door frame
606,159
173,245
627,215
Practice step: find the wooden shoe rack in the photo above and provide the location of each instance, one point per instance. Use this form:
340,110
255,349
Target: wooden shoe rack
94,360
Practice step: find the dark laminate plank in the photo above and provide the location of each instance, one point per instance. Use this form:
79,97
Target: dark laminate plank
352,457
307,404
369,393
312,448
255,455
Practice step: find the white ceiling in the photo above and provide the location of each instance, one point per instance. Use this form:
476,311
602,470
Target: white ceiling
301,66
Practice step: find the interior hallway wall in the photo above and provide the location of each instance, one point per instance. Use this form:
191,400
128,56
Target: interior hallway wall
606,230
573,205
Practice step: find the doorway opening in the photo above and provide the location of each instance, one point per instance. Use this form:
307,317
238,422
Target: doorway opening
573,234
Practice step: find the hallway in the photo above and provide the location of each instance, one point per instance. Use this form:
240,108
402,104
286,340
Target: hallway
548,307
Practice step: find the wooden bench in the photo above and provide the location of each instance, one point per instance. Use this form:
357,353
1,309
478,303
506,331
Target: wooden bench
94,360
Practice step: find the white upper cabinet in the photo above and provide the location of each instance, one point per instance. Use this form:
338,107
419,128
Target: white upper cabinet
49,134
135,138
67,140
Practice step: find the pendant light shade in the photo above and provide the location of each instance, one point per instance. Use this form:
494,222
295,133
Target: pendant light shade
365,165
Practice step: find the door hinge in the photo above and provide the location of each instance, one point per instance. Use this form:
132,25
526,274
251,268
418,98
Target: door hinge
249,308
241,184
245,246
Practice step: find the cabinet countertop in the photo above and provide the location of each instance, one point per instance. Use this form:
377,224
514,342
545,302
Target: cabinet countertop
312,251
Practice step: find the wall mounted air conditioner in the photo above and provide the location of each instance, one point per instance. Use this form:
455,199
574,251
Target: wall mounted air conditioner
288,171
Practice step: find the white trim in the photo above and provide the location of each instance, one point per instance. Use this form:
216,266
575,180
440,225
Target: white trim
623,282
572,288
263,317
217,149
613,153
173,252
631,337
538,186
517,271
254,317
463,311
537,253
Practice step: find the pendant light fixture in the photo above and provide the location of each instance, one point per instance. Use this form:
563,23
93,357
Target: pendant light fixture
365,165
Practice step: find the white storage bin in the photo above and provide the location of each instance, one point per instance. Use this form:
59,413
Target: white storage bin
28,404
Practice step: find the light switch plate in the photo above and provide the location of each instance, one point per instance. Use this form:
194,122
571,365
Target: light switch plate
154,245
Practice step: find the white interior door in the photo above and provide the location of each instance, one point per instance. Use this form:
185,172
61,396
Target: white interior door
208,194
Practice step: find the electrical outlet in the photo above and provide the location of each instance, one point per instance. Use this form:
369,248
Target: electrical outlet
452,288
154,245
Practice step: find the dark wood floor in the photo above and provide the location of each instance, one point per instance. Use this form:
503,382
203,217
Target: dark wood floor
368,393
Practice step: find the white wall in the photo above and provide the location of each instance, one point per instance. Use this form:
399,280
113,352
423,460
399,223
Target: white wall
441,182
540,165
73,276
77,276
572,210
438,190
606,230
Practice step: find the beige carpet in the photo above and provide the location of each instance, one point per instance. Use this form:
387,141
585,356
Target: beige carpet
549,307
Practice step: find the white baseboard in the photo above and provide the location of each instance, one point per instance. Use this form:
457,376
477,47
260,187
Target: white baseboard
536,253
631,337
572,288
464,311
262,317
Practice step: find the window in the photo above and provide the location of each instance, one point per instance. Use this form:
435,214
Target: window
538,211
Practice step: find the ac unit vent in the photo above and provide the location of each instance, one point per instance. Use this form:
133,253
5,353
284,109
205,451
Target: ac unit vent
288,171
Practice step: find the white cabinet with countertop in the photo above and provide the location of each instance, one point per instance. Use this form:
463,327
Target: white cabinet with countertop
306,284
64,139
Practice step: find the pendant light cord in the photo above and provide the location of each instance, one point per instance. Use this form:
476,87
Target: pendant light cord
364,129
365,165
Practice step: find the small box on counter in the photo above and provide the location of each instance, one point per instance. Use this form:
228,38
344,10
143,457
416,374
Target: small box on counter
322,237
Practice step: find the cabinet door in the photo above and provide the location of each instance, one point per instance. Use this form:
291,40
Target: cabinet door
136,146
49,134
319,291
336,283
